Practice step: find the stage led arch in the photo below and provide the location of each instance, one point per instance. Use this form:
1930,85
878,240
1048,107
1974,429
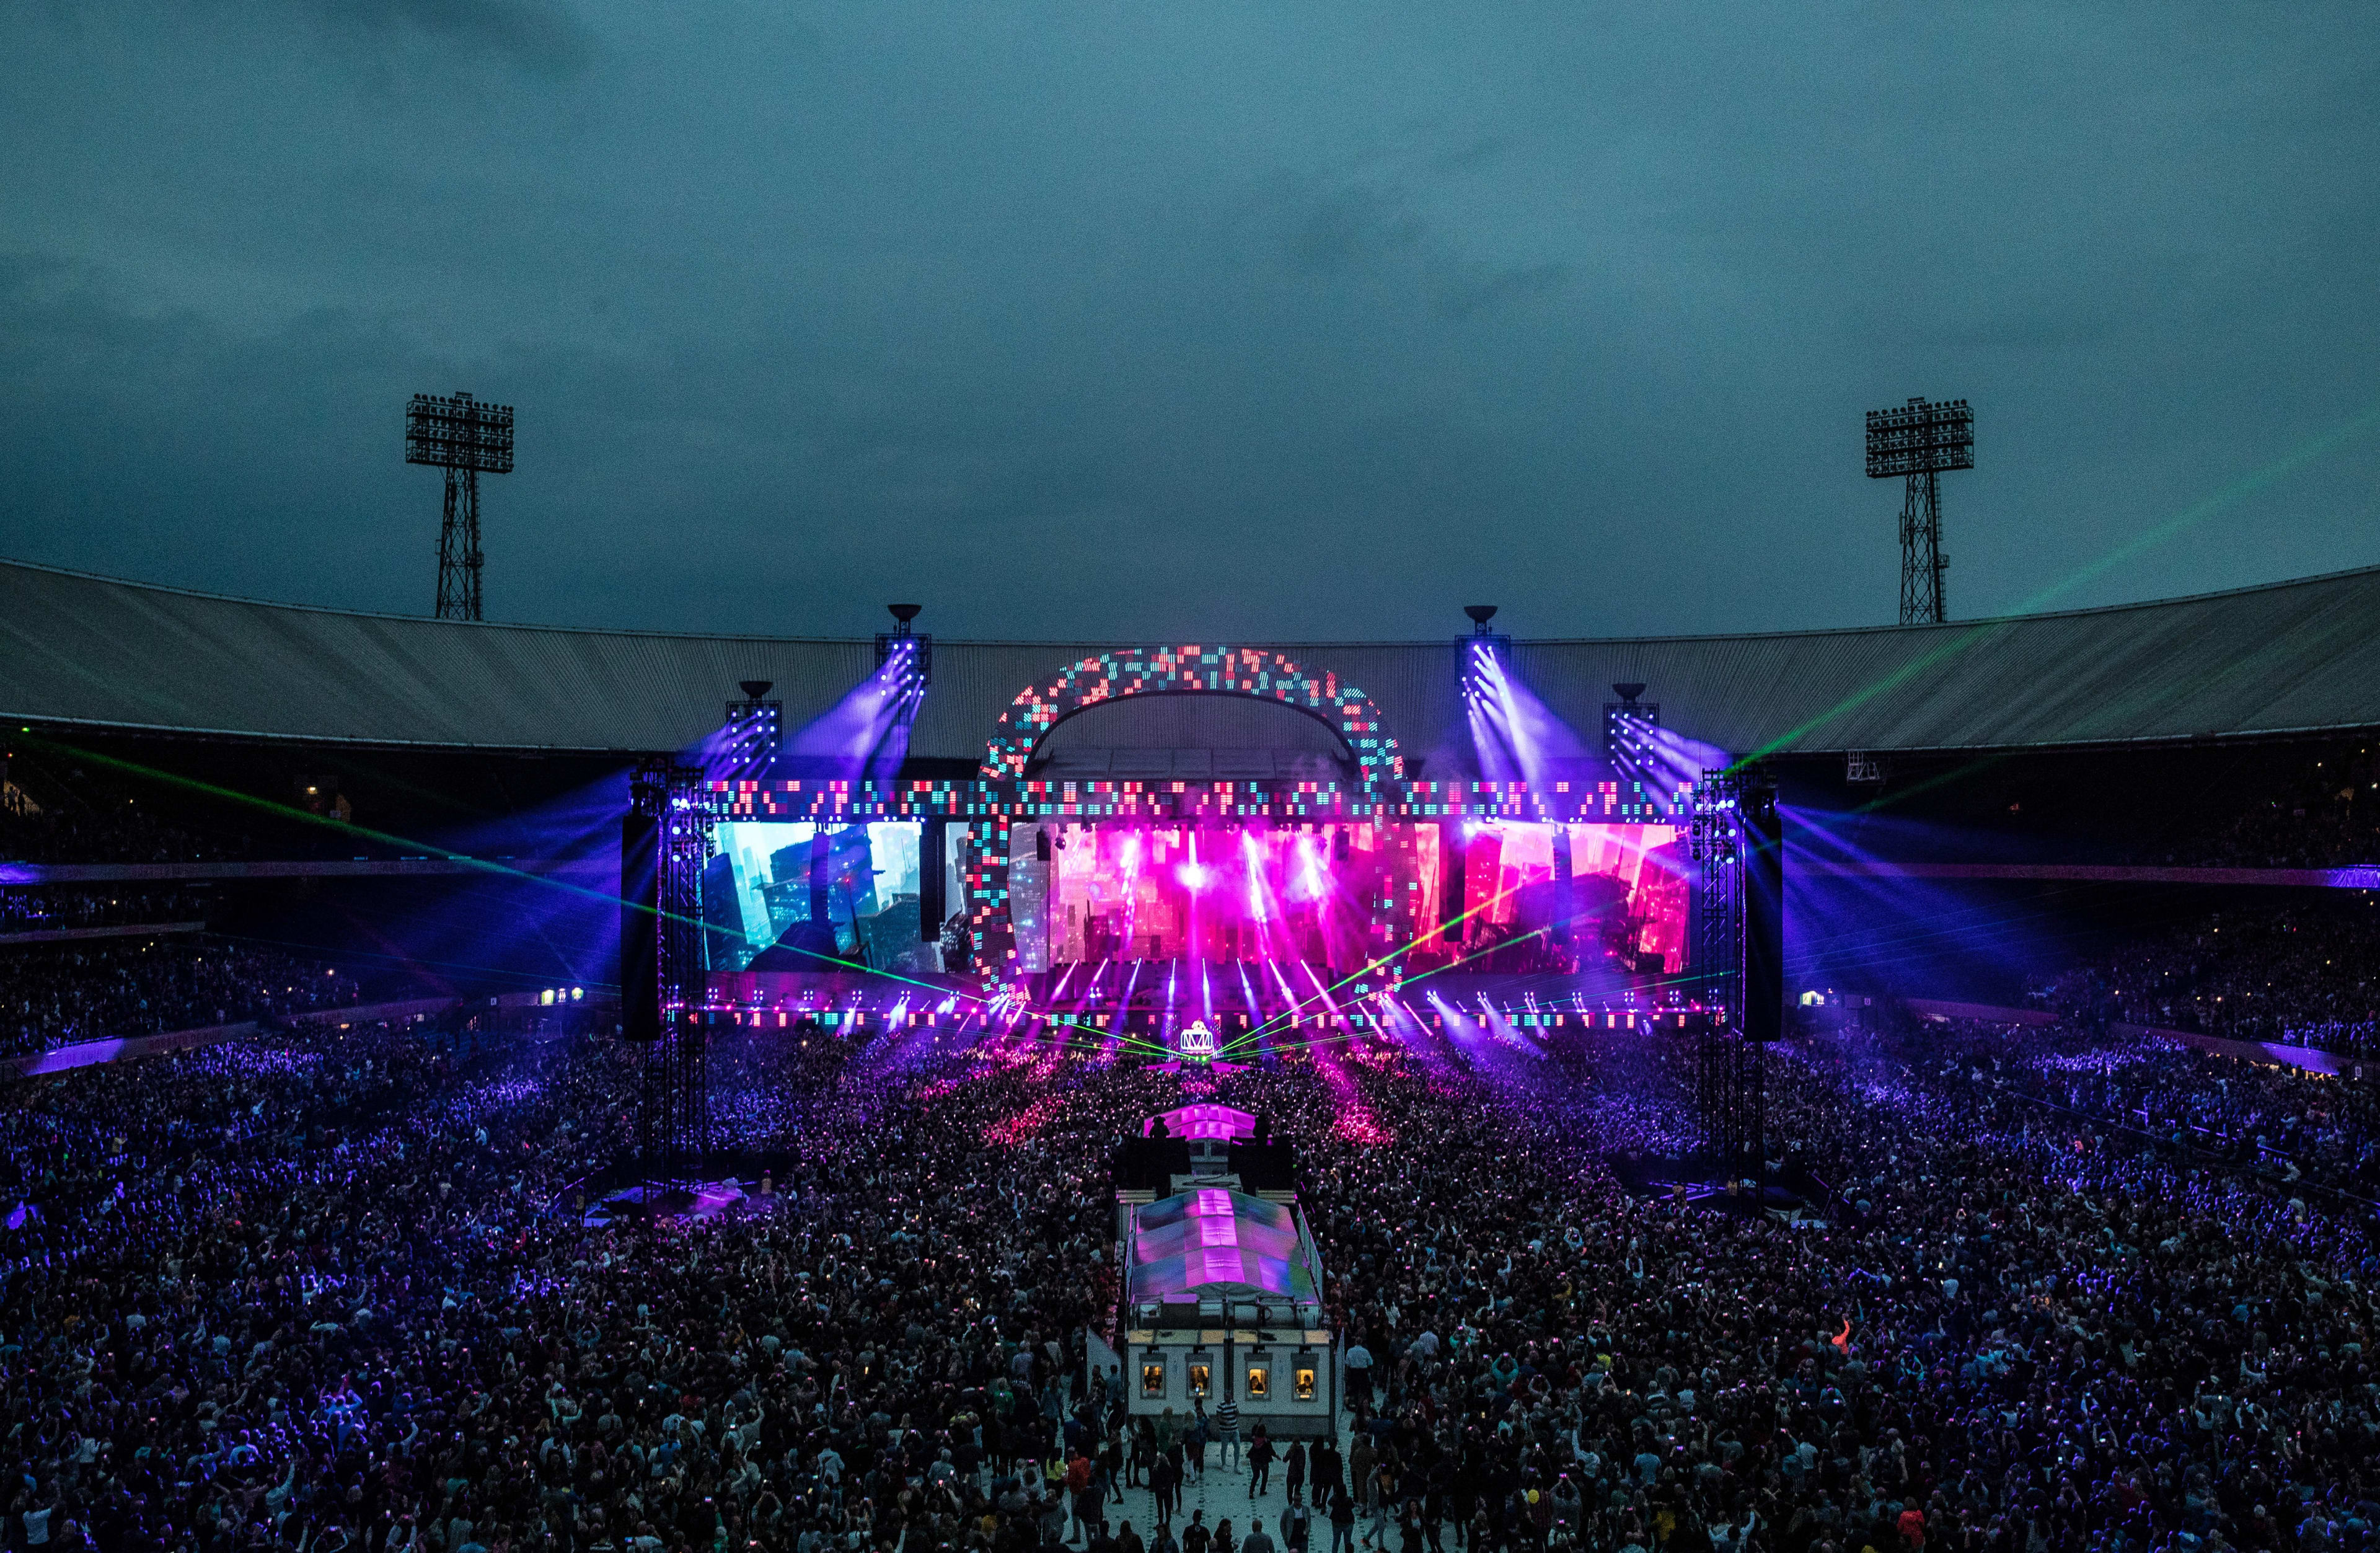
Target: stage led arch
1255,672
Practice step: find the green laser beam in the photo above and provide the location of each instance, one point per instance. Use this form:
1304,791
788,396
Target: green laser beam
1337,1038
385,959
1975,634
484,865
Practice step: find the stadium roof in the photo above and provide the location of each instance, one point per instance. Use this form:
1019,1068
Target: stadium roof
2292,657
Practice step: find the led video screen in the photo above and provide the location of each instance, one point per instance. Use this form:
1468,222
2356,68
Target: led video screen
768,877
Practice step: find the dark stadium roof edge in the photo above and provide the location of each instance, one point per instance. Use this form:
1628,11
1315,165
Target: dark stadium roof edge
2282,659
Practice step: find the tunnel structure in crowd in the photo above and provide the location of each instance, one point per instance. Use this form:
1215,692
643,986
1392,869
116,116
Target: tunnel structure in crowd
1223,1283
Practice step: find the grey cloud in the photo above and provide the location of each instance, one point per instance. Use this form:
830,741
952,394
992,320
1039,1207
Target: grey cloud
536,37
1468,295
1348,229
1117,323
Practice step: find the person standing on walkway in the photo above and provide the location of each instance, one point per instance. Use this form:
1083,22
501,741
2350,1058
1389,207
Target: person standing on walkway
1296,1528
1165,1487
1259,1463
1085,1498
1227,1433
1144,1453
1359,1378
1359,1470
1329,1480
1342,1523
1293,1469
1383,1497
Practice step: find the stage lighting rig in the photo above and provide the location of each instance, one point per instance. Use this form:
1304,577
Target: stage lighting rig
1624,721
754,725
465,438
1918,442
1486,654
911,651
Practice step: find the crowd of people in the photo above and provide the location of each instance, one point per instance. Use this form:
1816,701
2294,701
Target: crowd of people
336,1290
114,828
2307,1130
2328,816
2295,974
51,908
56,995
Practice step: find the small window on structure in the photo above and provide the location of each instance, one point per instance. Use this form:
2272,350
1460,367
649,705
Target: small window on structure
1304,1383
1152,1377
1199,1377
1259,1382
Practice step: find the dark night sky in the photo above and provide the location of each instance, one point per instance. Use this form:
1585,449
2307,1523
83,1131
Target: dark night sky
1189,322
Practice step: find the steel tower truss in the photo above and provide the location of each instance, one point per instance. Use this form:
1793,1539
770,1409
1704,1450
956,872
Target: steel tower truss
674,1098
1729,1088
1918,442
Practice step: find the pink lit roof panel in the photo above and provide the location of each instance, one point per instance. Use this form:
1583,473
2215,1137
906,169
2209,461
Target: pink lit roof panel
1204,1120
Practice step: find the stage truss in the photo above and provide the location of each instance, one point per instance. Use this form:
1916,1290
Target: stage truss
1731,818
673,1088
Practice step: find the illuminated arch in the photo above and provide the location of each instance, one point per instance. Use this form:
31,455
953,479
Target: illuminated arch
1254,672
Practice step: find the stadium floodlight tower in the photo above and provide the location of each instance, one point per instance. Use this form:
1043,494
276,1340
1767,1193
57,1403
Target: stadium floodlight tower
1918,442
465,438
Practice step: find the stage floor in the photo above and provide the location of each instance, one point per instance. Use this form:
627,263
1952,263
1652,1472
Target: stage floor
1156,999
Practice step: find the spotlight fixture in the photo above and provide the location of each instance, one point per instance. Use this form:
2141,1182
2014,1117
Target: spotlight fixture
1623,721
1487,655
910,652
754,725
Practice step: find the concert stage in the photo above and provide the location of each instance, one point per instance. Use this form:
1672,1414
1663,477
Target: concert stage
1137,906
1557,885
1320,897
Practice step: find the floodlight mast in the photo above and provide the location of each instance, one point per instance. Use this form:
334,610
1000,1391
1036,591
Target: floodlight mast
465,437
1918,442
